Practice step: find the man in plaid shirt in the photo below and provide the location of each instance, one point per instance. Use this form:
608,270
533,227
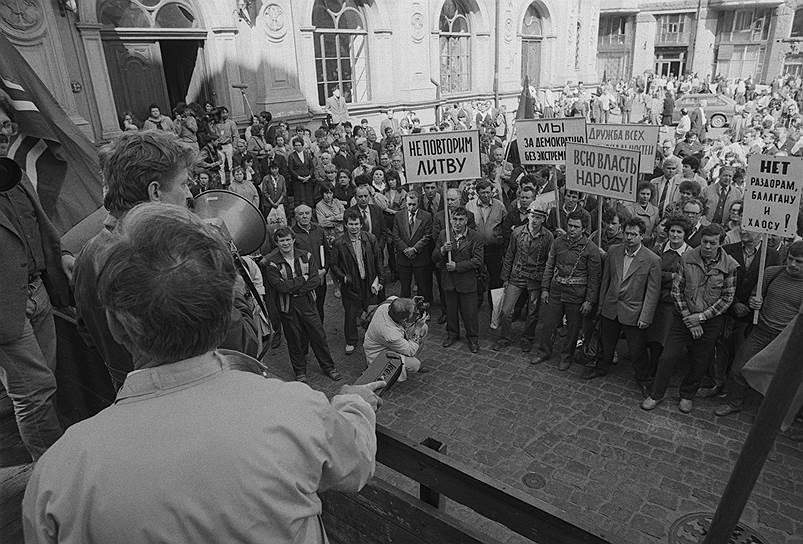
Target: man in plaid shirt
703,288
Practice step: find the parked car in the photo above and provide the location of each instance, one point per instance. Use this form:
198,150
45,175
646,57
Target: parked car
719,109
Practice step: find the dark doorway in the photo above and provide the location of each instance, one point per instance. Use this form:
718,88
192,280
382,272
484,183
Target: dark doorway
180,61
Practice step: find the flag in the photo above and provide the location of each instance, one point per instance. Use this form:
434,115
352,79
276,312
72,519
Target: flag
526,102
58,159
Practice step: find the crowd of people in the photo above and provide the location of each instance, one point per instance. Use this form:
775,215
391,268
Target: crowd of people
674,274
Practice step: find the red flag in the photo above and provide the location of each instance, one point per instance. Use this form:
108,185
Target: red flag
526,108
56,156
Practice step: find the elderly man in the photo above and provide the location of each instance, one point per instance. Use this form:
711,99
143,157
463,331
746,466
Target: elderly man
693,211
246,466
702,291
522,270
310,237
412,241
720,196
393,328
665,188
32,280
144,166
628,298
373,220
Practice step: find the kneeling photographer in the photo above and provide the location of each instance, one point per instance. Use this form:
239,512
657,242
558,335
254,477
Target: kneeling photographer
398,325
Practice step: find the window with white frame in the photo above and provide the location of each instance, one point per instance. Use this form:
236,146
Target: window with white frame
455,49
341,50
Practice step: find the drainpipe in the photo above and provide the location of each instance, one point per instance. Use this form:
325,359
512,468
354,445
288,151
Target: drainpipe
693,41
496,56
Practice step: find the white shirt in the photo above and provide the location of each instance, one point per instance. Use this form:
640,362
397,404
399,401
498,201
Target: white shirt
680,251
628,260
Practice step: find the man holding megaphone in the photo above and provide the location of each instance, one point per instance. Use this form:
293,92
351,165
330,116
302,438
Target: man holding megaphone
144,166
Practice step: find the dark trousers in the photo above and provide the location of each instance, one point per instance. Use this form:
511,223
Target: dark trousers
759,338
353,307
423,279
636,345
302,329
678,344
728,345
553,317
493,264
304,193
320,297
462,306
441,290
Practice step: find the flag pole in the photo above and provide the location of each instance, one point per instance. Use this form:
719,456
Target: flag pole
447,220
761,265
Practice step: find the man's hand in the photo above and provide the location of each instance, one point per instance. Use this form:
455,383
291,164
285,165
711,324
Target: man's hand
692,320
545,297
740,309
376,288
451,266
586,307
559,232
504,284
366,392
446,248
696,332
409,252
642,324
68,265
755,303
321,273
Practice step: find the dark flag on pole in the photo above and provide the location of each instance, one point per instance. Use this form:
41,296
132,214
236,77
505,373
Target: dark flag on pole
526,102
58,159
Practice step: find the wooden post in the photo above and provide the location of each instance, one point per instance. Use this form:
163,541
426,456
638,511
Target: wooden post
554,175
600,205
447,221
426,494
761,265
781,393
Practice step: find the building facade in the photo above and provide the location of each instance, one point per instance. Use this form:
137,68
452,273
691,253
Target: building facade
102,58
732,38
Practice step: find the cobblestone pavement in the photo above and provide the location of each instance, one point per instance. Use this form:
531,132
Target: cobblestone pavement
614,469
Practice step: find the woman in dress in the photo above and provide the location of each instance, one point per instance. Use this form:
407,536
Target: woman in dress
644,209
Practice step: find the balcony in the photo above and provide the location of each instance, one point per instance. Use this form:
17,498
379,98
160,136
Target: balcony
672,38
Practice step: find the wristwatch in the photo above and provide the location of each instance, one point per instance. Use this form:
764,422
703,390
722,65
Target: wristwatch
701,317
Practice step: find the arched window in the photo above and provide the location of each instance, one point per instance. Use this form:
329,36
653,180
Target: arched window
454,45
147,14
341,56
531,37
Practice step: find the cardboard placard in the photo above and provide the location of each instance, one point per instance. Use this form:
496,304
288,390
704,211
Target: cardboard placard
772,194
641,138
441,156
603,171
543,141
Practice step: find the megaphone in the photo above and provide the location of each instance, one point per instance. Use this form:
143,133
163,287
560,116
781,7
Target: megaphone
243,220
10,173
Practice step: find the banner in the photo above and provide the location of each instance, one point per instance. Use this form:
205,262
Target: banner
543,141
641,138
441,156
602,171
772,194
58,159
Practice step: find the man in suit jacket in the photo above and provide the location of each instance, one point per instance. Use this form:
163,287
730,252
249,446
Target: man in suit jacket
459,272
665,188
628,297
32,280
357,265
373,219
412,240
698,121
720,196
431,198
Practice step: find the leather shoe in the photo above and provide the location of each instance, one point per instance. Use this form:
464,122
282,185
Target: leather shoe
726,409
685,405
334,375
565,363
650,403
593,372
706,392
442,319
448,341
540,359
473,346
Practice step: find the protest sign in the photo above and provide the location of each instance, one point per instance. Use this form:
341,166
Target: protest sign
441,156
641,138
543,141
772,194
603,171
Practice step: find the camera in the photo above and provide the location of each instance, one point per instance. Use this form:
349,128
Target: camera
421,313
